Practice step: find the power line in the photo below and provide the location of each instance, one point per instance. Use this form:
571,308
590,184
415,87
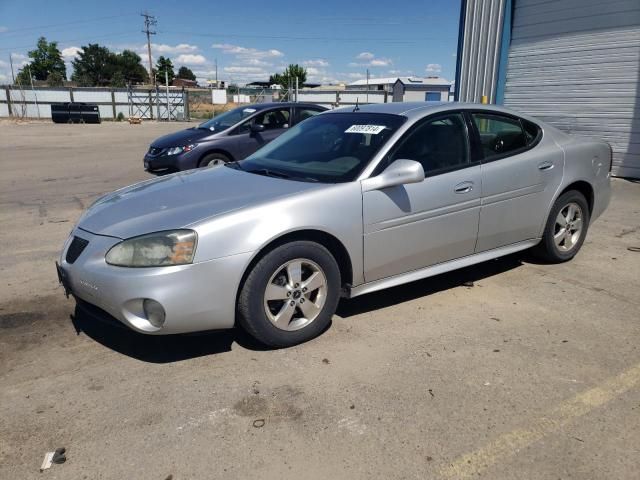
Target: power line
78,39
11,31
322,38
149,21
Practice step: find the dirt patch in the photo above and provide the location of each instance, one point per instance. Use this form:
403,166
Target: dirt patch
282,403
19,319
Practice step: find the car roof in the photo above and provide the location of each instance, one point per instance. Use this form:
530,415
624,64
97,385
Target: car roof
420,109
262,106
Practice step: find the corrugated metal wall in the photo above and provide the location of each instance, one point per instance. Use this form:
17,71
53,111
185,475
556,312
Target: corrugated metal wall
478,73
576,65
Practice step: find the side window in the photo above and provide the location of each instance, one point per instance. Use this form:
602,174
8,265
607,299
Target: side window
274,119
304,113
439,144
499,135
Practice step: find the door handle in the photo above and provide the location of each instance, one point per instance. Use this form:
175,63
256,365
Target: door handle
464,187
545,166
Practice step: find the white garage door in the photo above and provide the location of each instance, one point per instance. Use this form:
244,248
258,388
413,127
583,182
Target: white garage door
576,65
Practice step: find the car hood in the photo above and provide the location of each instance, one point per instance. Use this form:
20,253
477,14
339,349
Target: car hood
183,137
178,200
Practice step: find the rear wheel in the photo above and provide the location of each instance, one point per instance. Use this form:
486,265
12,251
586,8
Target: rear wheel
213,160
566,228
290,295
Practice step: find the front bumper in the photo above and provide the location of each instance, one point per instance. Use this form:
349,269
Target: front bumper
163,163
196,297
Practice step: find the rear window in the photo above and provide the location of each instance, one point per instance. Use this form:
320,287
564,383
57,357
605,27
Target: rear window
532,131
500,135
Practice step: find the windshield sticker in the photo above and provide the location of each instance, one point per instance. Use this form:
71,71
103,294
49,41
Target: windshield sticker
372,129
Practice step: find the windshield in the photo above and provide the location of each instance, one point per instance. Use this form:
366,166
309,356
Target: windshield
329,148
227,119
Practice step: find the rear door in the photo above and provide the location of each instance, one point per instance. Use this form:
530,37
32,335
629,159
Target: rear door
520,173
408,227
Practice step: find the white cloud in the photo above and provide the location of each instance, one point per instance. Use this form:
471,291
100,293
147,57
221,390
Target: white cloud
19,60
3,29
190,59
70,53
370,60
320,62
365,56
433,68
3,77
314,71
163,48
3,64
238,69
244,53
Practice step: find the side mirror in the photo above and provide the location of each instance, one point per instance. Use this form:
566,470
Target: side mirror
256,128
400,172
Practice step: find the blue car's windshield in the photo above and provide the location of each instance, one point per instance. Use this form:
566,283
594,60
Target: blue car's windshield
328,148
227,119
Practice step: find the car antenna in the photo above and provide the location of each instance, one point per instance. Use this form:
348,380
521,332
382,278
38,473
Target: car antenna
356,108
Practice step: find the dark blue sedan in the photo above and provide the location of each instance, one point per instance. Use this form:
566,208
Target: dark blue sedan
234,135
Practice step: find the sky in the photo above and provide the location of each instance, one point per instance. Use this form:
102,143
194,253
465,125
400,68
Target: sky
336,41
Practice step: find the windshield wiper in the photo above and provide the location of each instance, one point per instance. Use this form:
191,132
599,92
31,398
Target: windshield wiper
235,165
269,173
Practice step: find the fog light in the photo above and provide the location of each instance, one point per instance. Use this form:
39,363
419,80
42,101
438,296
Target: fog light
154,312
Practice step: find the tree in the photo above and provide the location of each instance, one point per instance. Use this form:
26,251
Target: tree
97,66
55,79
93,67
290,73
186,73
129,65
46,59
164,65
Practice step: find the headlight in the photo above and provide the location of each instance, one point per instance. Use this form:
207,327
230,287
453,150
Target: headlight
177,150
175,247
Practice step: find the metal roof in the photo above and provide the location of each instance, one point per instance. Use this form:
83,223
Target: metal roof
406,80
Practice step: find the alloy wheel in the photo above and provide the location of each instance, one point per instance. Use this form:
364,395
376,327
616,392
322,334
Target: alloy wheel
295,294
568,227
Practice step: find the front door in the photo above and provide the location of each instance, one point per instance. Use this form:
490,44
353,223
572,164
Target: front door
408,227
275,122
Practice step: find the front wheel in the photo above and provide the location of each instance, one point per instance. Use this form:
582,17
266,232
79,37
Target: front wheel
213,160
566,228
290,295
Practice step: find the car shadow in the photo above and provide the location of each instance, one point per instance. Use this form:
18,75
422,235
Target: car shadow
107,331
428,286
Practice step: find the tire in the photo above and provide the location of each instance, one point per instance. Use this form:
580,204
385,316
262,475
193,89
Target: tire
213,160
276,308
556,246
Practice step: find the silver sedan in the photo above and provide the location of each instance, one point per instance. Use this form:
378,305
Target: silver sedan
348,202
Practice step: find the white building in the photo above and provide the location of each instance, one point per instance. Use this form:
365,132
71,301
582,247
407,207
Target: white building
407,89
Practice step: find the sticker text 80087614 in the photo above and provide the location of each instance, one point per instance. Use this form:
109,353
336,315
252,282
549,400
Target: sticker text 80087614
372,129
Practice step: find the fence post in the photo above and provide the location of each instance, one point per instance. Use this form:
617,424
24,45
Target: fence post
386,96
151,105
71,94
185,102
8,94
113,103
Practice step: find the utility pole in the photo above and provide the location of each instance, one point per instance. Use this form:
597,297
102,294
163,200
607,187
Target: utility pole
216,61
149,21
13,78
367,86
